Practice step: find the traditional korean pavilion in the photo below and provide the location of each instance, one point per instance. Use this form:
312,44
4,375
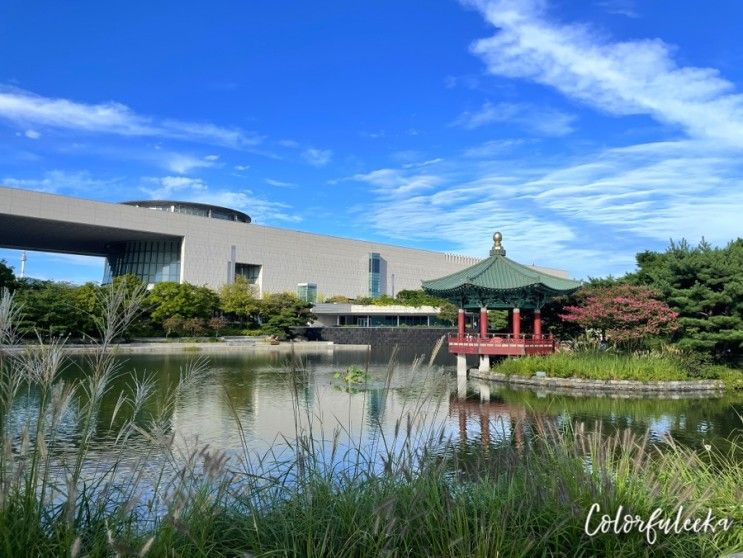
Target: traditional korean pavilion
499,283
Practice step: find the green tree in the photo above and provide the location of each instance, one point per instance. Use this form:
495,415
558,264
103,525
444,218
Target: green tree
239,300
7,278
168,299
705,286
281,311
57,309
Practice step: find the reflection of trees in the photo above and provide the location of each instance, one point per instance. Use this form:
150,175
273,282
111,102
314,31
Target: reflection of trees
689,421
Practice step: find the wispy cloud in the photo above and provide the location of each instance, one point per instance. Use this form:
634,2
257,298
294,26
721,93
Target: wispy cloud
317,157
624,8
539,120
56,181
619,78
279,183
183,164
24,108
261,210
592,210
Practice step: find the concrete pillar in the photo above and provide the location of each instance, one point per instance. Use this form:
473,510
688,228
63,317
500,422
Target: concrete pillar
483,322
537,324
484,363
516,322
460,323
462,365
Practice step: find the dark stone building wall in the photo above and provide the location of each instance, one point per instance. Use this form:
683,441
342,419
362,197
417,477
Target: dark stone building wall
402,336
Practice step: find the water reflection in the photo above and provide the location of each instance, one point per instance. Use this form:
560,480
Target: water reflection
254,402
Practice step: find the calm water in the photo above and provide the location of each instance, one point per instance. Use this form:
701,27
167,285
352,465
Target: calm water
273,404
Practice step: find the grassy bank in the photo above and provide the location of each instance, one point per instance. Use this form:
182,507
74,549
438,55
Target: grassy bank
642,367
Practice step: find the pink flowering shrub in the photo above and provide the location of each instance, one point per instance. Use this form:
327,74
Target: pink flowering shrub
626,315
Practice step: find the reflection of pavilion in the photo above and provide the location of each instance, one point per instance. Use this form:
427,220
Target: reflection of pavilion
509,420
499,283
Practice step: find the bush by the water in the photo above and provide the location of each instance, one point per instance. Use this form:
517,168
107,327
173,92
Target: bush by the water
650,366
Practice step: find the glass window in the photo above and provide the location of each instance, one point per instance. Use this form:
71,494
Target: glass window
375,266
251,272
151,262
307,292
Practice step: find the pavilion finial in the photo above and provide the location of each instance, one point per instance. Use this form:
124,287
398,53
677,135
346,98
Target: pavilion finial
497,249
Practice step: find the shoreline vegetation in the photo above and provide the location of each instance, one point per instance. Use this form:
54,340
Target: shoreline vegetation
650,366
415,492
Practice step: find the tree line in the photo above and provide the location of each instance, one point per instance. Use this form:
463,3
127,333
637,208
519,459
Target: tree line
691,296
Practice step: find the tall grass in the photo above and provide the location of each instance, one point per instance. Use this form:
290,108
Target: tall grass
411,492
643,367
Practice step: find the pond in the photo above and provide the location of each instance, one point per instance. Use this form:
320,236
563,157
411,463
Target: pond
255,402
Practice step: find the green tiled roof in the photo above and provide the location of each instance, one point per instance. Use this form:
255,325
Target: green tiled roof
499,282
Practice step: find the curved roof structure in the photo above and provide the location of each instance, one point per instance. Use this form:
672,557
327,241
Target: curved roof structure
193,208
498,282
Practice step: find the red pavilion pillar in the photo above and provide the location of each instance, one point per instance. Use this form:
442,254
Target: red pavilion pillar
537,324
460,323
516,322
483,322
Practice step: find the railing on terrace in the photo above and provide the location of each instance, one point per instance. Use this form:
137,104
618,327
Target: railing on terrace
500,338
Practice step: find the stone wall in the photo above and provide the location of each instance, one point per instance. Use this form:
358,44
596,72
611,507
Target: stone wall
423,337
580,384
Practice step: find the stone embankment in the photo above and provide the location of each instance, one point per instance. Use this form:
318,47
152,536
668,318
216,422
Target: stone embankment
580,384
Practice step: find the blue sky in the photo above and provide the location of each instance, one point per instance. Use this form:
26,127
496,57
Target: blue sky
584,130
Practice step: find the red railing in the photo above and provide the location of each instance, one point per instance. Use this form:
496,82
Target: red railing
496,338
501,344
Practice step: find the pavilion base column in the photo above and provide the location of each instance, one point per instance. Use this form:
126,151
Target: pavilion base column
462,387
462,365
537,324
484,363
516,323
483,322
460,323
484,392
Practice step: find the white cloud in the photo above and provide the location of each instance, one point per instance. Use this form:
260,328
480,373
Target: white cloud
317,157
56,181
539,120
620,78
25,108
279,183
32,134
212,158
169,185
242,168
185,188
492,148
182,163
291,144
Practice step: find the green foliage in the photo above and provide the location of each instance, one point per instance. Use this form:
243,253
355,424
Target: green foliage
7,278
705,286
239,300
353,375
651,366
168,299
58,309
498,320
279,312
338,299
